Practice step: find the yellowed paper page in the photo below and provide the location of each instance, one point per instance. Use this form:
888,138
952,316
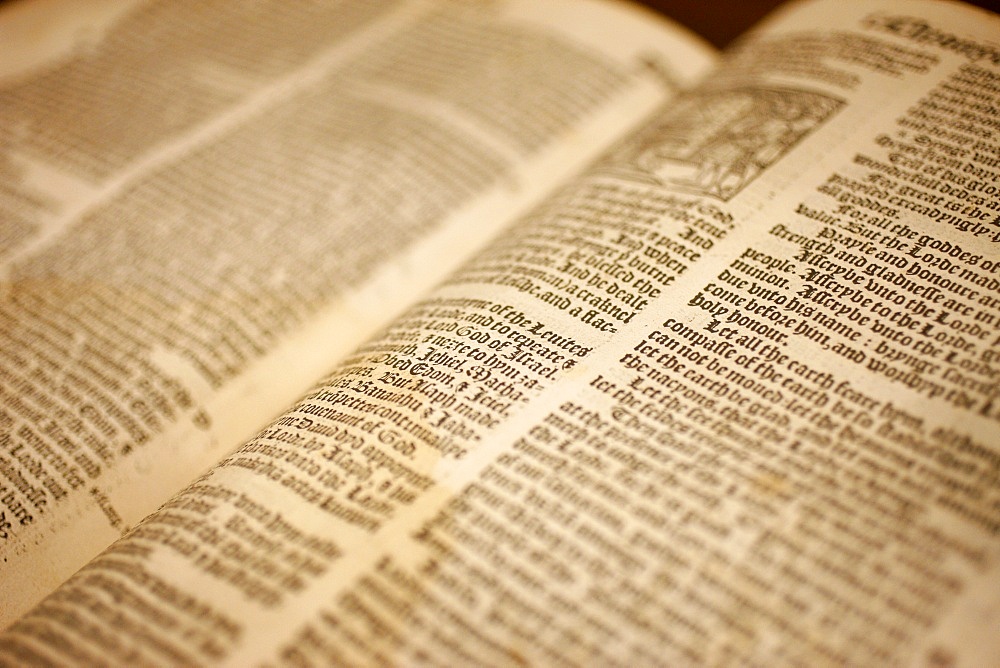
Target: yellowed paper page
205,205
723,399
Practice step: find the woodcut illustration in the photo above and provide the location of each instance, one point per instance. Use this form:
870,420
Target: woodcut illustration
715,142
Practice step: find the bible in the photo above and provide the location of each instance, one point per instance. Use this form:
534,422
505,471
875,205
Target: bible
498,332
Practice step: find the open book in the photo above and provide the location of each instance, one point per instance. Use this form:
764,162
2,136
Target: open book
498,332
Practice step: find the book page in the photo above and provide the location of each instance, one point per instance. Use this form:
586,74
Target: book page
727,398
205,205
